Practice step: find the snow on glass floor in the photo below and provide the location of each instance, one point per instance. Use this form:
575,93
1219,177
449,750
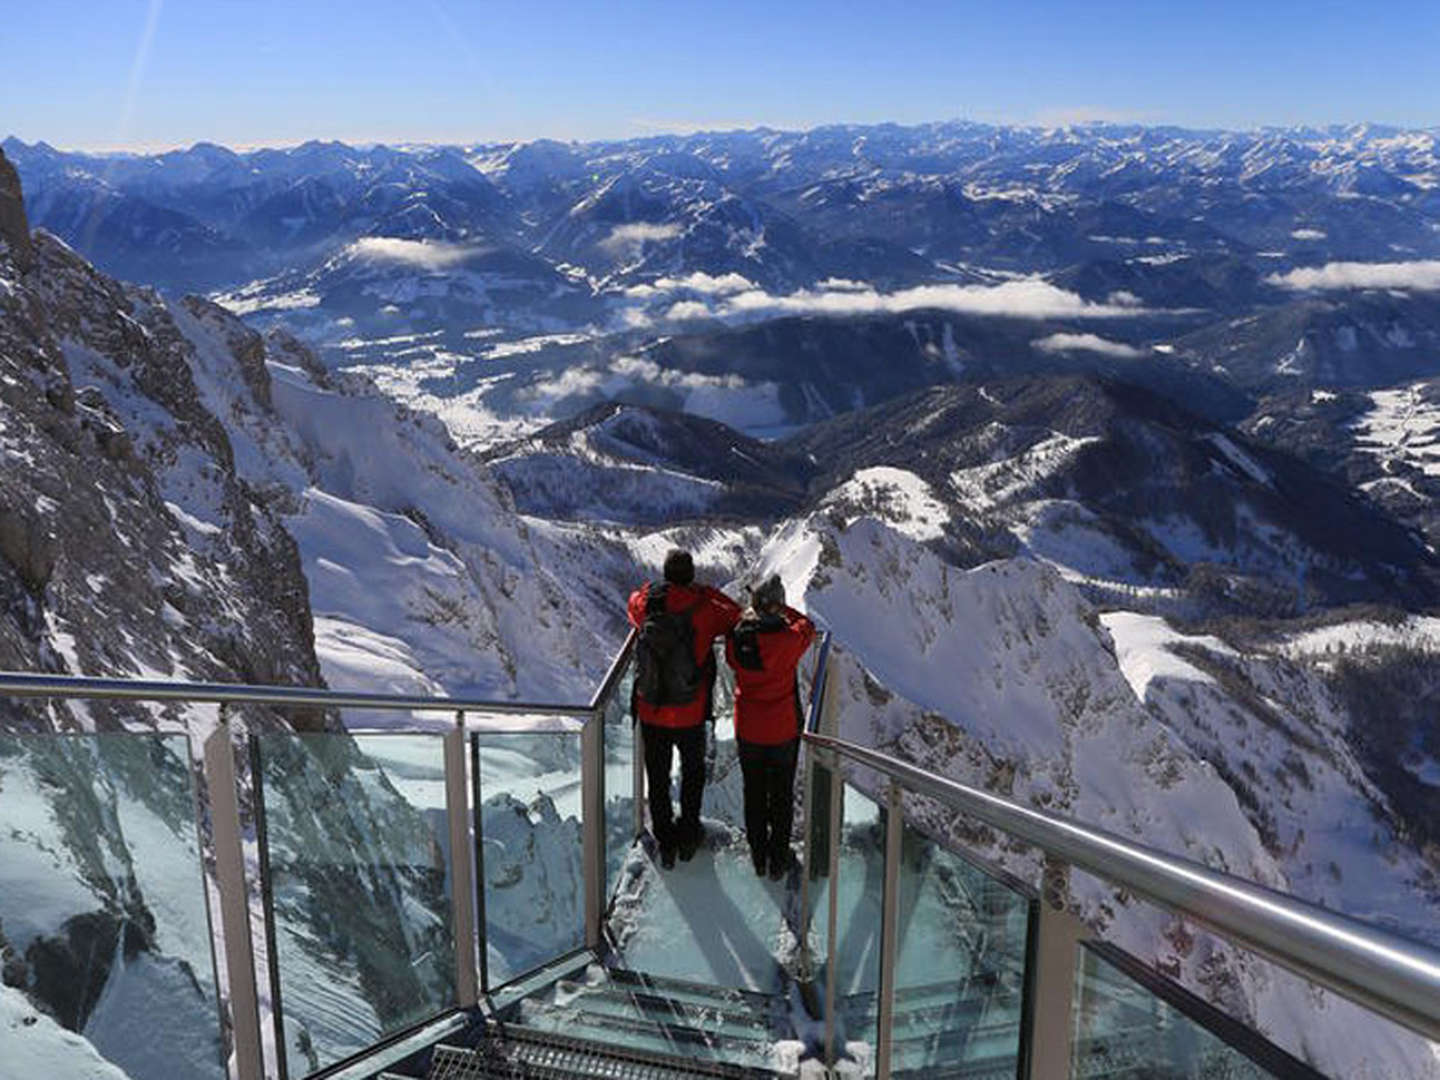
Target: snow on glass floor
702,964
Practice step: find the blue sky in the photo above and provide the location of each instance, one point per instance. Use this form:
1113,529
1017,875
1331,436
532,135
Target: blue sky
161,73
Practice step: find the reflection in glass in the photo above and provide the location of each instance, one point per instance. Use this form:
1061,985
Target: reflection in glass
531,848
358,868
1123,1030
860,881
960,962
104,931
619,777
817,854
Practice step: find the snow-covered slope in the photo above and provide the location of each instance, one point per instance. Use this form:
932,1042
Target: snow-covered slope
202,501
103,927
1005,676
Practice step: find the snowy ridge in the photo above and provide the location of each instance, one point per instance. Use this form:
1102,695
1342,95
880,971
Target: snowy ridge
1110,724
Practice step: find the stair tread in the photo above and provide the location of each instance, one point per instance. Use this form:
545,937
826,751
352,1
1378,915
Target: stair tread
513,1051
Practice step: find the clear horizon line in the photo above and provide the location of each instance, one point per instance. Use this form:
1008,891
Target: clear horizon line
681,131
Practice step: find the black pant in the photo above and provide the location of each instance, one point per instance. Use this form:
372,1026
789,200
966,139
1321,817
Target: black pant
769,773
659,741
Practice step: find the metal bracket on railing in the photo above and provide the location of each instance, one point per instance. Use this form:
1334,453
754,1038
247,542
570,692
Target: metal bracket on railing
219,753
462,865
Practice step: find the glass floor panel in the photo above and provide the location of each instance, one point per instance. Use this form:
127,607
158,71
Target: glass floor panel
699,968
711,920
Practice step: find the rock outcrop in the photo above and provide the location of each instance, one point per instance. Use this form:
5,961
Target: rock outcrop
129,542
14,227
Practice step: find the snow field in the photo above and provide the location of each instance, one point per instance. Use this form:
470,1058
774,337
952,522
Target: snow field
34,1045
1402,427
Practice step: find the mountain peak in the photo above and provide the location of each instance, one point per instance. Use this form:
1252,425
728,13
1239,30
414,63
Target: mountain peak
14,228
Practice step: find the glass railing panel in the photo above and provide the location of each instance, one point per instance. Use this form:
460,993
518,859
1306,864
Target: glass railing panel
1125,1031
531,848
105,939
817,855
960,963
356,855
619,734
860,884
723,810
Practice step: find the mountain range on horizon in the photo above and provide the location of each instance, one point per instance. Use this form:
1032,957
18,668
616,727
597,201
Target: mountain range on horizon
1110,456
1299,131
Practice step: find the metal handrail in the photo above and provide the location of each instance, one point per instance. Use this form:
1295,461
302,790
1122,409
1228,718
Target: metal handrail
817,683
20,684
1386,973
613,675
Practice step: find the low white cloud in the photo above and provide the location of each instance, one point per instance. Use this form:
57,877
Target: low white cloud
572,382
732,298
1421,274
697,282
630,239
628,372
1090,343
1029,298
688,309
425,254
639,368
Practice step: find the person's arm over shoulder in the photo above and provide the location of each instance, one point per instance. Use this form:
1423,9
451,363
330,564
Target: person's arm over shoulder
801,624
801,634
723,613
636,607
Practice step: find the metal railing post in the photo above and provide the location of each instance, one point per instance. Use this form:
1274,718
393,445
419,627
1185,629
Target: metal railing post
592,826
808,804
234,901
808,855
1050,981
478,818
889,924
637,778
833,900
462,864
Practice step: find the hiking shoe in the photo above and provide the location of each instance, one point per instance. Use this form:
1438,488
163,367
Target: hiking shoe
667,856
688,835
758,859
780,866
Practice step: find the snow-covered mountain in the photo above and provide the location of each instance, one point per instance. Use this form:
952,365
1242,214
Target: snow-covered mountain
185,499
774,203
995,555
1385,442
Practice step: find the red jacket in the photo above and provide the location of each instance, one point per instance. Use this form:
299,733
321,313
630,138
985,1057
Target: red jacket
766,699
713,618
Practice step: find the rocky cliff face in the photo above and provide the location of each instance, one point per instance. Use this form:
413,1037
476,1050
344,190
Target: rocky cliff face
1248,757
129,544
14,228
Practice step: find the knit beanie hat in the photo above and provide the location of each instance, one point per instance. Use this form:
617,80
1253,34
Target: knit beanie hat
769,594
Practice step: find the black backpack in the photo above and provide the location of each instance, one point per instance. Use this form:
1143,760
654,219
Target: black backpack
747,641
665,669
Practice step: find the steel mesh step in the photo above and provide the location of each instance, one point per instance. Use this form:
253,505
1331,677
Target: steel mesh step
511,1053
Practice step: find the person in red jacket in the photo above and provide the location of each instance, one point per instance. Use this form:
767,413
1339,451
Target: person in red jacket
765,649
703,614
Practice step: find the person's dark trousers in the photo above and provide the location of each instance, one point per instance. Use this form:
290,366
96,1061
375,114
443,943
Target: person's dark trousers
659,742
769,774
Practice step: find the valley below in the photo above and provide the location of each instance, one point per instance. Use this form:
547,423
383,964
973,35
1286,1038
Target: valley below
1109,456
